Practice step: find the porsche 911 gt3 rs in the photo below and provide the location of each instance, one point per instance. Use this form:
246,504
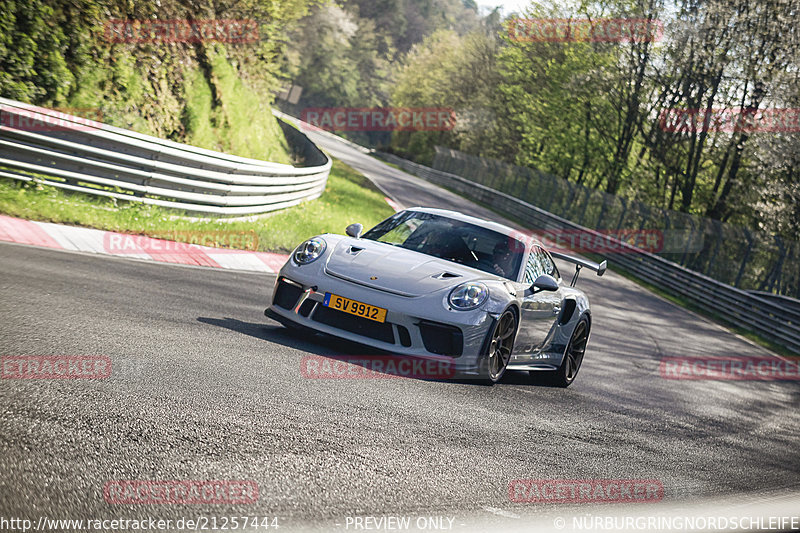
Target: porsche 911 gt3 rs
435,283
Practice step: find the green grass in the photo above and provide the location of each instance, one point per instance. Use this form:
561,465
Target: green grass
349,198
211,109
242,125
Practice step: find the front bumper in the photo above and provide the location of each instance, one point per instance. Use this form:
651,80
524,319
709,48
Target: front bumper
414,326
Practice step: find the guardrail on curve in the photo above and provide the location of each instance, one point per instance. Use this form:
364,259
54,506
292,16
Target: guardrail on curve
80,155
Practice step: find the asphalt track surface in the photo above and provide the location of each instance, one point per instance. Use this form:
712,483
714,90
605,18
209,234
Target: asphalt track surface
204,387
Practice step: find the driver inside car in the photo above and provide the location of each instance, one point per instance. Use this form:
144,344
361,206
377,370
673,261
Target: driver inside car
438,244
502,258
449,246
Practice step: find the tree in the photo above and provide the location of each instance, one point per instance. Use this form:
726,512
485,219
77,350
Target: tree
452,72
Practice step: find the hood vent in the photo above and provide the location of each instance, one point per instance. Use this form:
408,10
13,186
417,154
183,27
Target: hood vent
446,275
353,250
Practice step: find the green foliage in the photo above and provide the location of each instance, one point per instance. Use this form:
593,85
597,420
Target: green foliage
407,22
455,72
588,111
554,112
242,123
342,53
335,60
33,46
56,53
198,111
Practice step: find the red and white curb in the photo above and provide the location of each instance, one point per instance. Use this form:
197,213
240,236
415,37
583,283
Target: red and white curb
394,205
61,237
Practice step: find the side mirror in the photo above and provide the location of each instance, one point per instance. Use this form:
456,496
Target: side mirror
544,283
354,230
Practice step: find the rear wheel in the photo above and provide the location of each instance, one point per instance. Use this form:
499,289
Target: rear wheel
573,357
501,345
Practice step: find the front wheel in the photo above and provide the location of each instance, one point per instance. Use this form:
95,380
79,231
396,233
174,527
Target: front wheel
573,357
501,345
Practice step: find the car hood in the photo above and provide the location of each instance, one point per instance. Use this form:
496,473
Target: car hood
396,270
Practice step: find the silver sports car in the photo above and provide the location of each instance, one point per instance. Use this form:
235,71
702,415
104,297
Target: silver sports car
438,284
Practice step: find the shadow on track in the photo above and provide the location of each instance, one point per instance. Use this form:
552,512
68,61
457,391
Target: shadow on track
335,348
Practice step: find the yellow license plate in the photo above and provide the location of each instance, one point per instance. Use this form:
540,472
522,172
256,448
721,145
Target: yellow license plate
340,303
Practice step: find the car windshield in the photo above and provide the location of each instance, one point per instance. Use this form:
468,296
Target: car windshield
452,240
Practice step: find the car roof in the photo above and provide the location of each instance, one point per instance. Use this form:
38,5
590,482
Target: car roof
500,228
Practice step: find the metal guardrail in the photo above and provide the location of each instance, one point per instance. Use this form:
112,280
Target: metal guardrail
791,303
72,153
773,320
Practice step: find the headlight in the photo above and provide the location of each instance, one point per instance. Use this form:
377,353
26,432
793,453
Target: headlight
468,296
309,251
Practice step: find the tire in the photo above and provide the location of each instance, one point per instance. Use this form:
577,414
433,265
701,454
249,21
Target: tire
500,346
573,357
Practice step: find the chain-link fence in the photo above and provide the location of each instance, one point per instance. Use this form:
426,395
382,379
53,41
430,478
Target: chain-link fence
734,255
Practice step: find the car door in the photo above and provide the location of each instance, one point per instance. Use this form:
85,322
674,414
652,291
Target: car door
539,310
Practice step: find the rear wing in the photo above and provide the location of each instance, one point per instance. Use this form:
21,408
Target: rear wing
580,263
